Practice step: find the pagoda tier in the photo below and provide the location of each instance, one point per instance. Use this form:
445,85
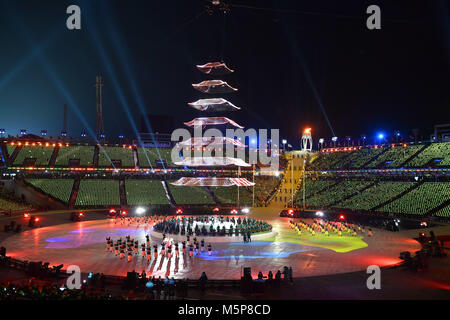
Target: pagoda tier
214,68
214,86
212,182
211,162
210,141
211,121
215,104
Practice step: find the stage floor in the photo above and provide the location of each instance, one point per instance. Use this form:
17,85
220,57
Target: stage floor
84,244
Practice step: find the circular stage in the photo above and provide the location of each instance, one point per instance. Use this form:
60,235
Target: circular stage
195,225
84,244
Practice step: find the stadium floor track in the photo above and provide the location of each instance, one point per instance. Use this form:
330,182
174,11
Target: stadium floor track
83,244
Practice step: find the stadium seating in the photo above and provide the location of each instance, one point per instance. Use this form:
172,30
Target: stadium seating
145,192
9,202
108,154
10,149
84,153
41,154
155,156
444,212
435,151
336,193
98,193
228,195
375,195
358,158
313,186
189,195
421,200
325,160
7,205
57,188
395,157
264,185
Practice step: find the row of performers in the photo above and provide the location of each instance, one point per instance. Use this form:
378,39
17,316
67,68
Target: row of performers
129,247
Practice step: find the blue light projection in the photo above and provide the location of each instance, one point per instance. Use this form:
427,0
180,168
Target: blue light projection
86,236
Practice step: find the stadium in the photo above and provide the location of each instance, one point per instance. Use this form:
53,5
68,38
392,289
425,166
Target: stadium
382,196
147,216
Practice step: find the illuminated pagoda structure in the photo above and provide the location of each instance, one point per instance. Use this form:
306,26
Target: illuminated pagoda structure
202,143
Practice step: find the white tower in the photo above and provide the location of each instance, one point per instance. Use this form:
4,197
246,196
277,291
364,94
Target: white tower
307,140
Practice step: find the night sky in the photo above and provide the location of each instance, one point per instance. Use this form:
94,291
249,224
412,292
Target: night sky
293,61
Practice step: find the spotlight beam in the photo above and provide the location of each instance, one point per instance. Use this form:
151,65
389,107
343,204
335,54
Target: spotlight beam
48,67
124,56
107,63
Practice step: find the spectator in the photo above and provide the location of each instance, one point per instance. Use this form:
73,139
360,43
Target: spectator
203,279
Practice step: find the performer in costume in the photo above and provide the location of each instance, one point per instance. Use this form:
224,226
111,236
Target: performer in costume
177,250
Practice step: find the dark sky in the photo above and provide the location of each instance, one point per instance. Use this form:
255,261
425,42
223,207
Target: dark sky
289,62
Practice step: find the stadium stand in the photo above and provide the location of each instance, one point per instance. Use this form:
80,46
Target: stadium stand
9,202
375,195
444,212
154,158
57,188
420,200
326,160
190,195
145,192
359,158
107,155
314,186
436,154
336,193
10,149
228,195
41,154
264,186
84,154
395,157
98,193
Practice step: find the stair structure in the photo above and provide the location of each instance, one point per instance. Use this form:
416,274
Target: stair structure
74,193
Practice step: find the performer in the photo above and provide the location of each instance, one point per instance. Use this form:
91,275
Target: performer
155,251
209,249
169,252
184,247
163,250
202,245
149,254
177,250
191,250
